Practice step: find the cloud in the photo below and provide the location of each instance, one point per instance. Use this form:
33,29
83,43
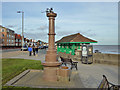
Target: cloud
41,36
87,33
62,33
43,27
57,27
11,26
60,1
101,18
18,29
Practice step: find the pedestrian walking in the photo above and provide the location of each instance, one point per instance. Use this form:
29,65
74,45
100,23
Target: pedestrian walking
30,50
33,49
36,50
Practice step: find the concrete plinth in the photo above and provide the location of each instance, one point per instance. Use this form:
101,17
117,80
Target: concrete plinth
33,79
50,71
50,74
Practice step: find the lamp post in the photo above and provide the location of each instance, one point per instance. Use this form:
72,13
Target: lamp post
22,25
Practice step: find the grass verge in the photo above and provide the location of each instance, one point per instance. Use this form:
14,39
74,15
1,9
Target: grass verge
13,67
28,88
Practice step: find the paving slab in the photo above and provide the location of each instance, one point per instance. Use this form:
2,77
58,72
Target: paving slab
92,74
33,78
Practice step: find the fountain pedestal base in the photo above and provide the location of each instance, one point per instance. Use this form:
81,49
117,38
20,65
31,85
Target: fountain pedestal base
51,71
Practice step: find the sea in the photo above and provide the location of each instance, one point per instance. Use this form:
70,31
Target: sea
110,49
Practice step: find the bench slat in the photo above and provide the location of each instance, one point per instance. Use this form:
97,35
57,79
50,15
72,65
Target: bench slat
67,60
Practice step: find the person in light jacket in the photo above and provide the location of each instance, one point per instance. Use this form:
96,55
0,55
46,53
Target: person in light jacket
30,50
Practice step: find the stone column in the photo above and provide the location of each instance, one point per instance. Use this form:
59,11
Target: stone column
51,63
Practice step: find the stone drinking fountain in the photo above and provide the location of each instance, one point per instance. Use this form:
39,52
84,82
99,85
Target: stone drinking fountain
51,63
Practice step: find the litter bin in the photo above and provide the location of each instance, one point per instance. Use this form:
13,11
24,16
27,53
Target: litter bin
64,74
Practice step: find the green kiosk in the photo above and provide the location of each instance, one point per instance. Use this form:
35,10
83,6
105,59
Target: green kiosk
73,44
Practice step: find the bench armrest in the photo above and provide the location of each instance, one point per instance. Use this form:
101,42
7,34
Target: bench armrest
75,62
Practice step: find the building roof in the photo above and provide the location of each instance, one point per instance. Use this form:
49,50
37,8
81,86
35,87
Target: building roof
6,28
75,38
18,36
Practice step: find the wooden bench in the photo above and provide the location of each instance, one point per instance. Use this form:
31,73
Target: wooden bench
67,60
105,85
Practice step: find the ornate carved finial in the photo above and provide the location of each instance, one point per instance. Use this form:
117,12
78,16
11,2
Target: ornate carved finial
49,10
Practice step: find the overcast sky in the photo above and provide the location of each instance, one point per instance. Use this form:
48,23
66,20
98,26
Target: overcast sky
95,20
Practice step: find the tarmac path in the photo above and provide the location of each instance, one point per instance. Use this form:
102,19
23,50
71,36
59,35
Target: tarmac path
10,50
90,74
25,55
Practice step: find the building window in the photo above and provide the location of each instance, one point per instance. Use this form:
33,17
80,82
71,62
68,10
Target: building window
7,40
2,30
7,35
12,36
7,30
2,35
2,40
16,40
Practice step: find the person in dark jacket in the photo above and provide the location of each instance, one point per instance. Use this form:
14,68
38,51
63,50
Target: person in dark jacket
30,50
33,49
36,50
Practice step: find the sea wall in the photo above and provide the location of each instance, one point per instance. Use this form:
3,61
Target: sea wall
101,58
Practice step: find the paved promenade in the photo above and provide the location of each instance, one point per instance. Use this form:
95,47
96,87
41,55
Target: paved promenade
25,55
90,75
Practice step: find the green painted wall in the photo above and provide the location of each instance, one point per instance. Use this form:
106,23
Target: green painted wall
68,48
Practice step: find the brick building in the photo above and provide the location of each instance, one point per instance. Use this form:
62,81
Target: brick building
7,36
18,40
